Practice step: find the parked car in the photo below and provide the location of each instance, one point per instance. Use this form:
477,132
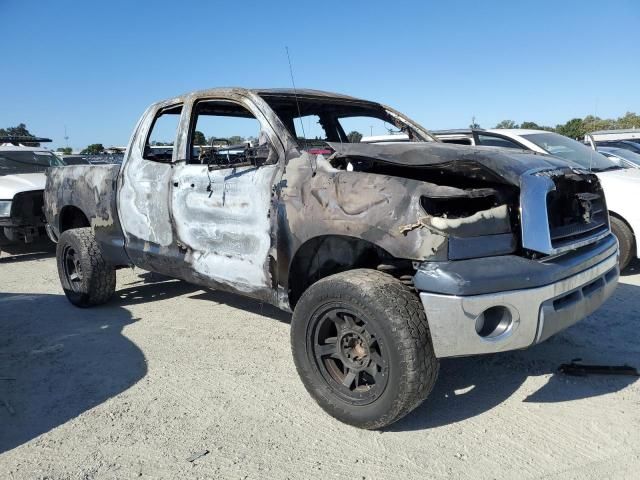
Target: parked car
389,256
632,134
620,184
623,157
621,144
22,182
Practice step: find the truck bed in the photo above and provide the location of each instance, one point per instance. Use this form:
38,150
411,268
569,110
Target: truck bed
85,195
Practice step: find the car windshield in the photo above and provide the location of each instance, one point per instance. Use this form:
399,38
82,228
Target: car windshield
627,155
27,161
571,150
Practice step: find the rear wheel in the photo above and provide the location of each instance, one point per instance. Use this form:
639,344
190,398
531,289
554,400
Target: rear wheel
361,345
86,277
625,240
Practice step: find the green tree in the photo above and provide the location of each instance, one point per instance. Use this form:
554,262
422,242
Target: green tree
574,128
507,124
629,120
64,150
199,138
354,137
93,149
235,139
20,130
593,123
535,126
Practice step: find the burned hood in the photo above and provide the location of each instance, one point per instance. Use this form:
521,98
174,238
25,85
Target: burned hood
496,164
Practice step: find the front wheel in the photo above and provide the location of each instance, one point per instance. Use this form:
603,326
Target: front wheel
86,277
361,345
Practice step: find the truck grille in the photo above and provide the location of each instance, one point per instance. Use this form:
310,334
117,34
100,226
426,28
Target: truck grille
576,210
561,210
27,207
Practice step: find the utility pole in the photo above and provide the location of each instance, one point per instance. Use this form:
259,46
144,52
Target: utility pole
66,137
371,130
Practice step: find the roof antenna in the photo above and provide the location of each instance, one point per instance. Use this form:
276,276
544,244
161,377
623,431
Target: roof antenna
295,93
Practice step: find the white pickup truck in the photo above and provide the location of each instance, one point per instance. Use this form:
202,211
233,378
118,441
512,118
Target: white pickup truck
22,181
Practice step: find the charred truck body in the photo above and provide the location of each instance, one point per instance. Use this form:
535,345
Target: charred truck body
389,256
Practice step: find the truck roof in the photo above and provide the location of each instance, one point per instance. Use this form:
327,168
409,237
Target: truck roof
273,92
7,147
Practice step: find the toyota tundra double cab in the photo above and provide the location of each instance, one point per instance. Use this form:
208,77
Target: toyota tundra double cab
389,256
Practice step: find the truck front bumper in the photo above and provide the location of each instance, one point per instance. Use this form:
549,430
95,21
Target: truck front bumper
518,318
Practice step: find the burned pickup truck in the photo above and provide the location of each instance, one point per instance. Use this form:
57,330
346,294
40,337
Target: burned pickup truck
389,256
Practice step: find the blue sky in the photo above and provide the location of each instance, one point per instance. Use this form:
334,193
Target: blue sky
95,66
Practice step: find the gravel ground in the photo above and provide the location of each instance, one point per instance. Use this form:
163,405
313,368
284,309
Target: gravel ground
167,371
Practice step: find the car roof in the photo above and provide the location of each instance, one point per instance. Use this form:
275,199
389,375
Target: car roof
455,131
20,148
624,130
515,131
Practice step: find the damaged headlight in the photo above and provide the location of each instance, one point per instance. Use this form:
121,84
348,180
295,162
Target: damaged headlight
476,226
5,208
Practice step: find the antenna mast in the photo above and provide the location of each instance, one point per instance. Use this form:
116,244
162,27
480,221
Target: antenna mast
295,92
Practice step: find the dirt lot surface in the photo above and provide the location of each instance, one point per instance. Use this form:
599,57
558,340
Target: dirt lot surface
168,371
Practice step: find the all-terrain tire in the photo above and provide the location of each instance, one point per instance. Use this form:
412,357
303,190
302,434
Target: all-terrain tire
626,241
86,277
398,317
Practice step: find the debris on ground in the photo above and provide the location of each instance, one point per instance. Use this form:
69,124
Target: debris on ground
582,370
198,455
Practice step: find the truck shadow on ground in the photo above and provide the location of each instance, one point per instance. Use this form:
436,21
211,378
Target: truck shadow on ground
632,269
468,387
243,303
150,288
58,361
22,252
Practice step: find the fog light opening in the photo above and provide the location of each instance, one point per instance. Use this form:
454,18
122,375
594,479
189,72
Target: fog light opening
494,322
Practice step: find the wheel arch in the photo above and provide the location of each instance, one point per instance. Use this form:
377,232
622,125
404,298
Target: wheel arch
325,255
72,217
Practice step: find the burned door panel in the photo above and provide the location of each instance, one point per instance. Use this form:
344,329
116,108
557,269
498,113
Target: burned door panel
143,195
221,219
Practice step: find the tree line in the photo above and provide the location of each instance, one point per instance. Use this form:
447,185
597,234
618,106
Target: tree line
577,128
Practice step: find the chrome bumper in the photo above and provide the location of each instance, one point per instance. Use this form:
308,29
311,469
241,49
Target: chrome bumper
530,315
